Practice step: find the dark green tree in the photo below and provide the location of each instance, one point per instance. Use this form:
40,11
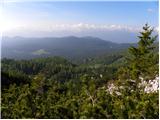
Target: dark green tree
143,62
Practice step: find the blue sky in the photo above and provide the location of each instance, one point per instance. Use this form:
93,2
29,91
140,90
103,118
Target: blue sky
130,13
84,16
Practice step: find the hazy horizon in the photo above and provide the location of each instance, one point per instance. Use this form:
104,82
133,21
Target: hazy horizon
105,20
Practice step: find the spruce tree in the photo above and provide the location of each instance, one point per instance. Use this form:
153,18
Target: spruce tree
142,60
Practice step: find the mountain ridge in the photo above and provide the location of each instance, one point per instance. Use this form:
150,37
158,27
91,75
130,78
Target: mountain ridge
70,47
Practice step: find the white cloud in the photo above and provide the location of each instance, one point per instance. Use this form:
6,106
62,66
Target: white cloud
105,31
150,10
82,27
156,29
51,26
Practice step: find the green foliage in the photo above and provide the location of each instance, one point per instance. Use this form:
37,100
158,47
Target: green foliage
55,88
143,61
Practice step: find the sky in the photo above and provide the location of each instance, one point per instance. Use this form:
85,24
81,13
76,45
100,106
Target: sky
100,19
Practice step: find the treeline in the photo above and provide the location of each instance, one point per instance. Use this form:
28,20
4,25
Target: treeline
56,88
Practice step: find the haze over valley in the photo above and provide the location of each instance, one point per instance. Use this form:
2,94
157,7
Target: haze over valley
79,59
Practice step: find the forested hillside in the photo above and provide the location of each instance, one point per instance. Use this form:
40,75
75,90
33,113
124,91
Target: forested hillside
54,87
71,47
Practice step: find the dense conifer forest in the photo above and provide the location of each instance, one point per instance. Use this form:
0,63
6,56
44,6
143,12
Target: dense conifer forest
55,87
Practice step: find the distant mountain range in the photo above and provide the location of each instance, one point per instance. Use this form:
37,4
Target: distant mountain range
69,47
